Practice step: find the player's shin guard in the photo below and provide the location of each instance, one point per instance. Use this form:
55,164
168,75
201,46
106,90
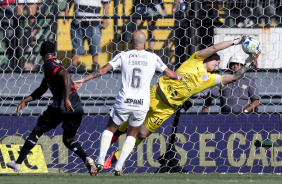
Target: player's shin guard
76,147
126,150
28,145
104,145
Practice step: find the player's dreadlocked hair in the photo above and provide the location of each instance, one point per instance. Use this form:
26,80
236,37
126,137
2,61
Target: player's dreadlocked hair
47,47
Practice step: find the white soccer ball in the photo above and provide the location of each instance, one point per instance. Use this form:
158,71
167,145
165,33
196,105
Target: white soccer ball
251,45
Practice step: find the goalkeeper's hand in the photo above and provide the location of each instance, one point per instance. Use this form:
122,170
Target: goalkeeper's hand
250,60
239,40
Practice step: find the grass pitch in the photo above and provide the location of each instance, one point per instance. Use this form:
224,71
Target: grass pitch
108,178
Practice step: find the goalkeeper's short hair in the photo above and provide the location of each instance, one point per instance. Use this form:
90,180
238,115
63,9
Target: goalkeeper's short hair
47,47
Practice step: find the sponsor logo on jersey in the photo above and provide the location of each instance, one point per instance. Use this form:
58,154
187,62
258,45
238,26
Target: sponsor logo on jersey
187,80
143,56
205,76
134,101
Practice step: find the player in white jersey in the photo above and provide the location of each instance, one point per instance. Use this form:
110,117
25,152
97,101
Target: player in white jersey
137,69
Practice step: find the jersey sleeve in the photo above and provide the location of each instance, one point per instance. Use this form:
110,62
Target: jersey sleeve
116,61
160,66
40,90
54,68
215,80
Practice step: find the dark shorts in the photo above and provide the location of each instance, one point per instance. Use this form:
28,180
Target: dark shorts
52,117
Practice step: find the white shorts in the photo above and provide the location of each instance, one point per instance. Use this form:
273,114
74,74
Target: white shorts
120,115
28,1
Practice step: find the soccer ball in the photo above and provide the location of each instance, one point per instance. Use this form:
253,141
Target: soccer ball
251,45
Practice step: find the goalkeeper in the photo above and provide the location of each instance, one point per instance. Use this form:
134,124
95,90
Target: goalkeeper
168,94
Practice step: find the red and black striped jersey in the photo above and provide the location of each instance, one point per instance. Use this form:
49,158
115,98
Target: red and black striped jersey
51,68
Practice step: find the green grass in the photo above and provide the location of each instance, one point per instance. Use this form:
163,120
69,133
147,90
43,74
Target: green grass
108,178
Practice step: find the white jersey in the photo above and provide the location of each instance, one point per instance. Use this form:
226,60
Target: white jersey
137,70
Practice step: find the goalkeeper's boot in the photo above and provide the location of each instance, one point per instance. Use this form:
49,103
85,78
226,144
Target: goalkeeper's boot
116,135
90,165
110,161
99,168
13,165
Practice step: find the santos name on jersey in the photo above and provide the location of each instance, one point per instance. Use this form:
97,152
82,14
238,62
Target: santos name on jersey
137,70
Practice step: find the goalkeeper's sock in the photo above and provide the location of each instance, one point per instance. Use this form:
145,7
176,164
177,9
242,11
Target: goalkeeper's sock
117,154
28,145
116,135
138,141
104,145
123,126
125,151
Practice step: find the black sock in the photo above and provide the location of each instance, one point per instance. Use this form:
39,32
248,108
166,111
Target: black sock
75,147
28,145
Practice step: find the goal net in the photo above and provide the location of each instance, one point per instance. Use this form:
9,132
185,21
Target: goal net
214,142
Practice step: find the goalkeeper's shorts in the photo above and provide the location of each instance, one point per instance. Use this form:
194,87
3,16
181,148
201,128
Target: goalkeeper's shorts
158,112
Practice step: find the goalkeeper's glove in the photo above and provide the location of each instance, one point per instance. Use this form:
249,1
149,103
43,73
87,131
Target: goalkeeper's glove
239,40
250,60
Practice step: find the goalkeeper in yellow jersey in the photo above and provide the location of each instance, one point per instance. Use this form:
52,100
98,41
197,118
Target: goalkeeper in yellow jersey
168,94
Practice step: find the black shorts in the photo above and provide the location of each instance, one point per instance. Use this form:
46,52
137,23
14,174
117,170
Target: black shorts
52,117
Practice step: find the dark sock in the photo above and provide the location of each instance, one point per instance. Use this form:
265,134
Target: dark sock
75,147
28,145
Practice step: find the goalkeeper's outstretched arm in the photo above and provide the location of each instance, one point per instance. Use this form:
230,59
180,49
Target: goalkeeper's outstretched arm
239,73
220,46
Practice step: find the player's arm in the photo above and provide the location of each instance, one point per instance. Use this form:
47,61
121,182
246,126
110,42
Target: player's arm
220,46
253,105
106,13
254,97
34,95
239,73
67,9
97,73
67,82
176,3
171,74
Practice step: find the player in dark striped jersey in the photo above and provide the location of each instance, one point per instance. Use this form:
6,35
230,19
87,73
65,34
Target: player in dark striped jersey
66,108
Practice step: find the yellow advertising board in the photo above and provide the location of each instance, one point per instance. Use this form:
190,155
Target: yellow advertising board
35,162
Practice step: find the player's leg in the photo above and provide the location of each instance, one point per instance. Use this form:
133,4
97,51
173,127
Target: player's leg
118,116
44,124
151,28
28,145
158,113
106,140
20,8
32,9
71,123
77,39
136,120
121,130
93,36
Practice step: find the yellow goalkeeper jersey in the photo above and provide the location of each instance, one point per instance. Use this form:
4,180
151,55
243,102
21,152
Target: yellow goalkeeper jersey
195,79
